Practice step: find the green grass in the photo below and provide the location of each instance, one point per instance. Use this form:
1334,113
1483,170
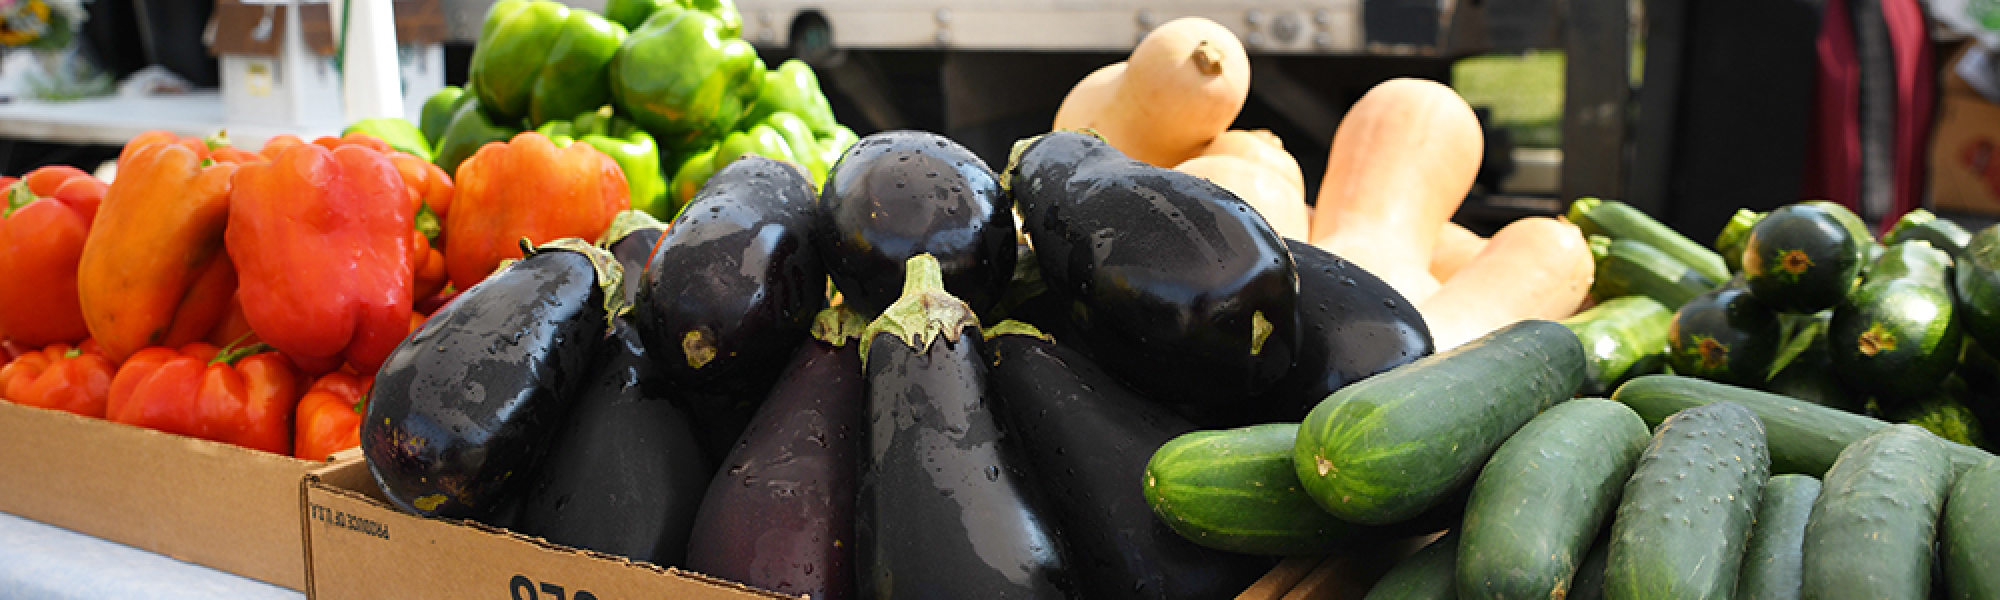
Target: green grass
1524,92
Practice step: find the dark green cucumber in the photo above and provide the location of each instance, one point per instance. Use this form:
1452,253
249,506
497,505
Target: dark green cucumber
1426,575
1726,334
1896,336
1236,490
1627,267
1387,447
1622,338
1618,220
1976,278
1922,224
1872,528
1969,533
1685,516
1805,437
1540,500
1588,583
1771,562
1803,258
1729,243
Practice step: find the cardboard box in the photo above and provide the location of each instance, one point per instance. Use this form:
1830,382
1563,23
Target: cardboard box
203,502
359,546
276,59
1965,148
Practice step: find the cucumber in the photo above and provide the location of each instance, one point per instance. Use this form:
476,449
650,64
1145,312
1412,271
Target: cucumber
1771,561
1618,220
1726,334
1968,542
1588,583
1922,224
1628,267
1542,497
1871,530
1236,490
1387,447
1896,336
1685,518
1622,338
1729,243
1802,258
1976,278
1426,575
1805,437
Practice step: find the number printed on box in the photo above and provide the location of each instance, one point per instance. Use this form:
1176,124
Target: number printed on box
526,589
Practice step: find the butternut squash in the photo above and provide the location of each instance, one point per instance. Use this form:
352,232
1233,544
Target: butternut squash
1259,145
1401,161
1182,85
1265,188
1455,246
1533,268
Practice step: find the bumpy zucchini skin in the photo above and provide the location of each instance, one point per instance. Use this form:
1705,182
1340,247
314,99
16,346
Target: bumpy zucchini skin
1180,288
1685,514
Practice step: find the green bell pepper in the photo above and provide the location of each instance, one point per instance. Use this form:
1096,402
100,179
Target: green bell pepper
632,13
398,132
469,129
834,145
682,79
437,111
793,88
542,61
631,147
799,139
689,177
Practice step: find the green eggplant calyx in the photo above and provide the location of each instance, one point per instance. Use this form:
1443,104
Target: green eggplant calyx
924,312
610,274
1013,327
625,223
1014,160
838,324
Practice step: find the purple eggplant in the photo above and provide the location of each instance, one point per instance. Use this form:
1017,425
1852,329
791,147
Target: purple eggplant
1352,325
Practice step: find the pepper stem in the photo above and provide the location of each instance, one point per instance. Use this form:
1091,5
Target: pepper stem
233,353
18,195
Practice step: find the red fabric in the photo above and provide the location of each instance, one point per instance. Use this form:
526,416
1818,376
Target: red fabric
1833,167
1915,91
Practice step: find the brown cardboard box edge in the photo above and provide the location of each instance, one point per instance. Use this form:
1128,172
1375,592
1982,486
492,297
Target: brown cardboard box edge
204,502
358,546
418,22
1964,151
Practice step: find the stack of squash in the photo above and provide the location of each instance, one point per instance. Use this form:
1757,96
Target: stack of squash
1401,161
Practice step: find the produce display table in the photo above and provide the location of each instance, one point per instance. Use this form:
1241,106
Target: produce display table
113,121
38,561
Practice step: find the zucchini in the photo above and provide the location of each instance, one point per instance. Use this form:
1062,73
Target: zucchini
1542,497
1726,334
1976,278
1771,561
1426,575
1627,266
1804,367
1618,220
1622,338
1944,412
1729,243
1870,247
1922,224
1236,490
1969,546
1895,336
1685,517
1387,447
1872,528
1805,437
1802,258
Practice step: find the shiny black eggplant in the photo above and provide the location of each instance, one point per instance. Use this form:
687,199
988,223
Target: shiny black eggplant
943,508
897,194
1351,326
463,409
732,288
779,515
1088,439
1180,288
631,239
624,475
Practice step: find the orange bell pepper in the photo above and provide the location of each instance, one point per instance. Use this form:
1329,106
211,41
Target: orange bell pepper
242,396
60,377
153,271
43,222
322,240
329,415
527,187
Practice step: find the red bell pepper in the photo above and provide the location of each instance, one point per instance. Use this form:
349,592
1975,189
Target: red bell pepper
329,415
61,377
44,220
243,396
527,187
322,241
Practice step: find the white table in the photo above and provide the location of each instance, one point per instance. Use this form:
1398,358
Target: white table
113,121
42,561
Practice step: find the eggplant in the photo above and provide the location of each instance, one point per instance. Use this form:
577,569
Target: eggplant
779,515
471,399
1178,287
733,286
1088,439
897,194
943,509
631,239
624,475
1351,324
